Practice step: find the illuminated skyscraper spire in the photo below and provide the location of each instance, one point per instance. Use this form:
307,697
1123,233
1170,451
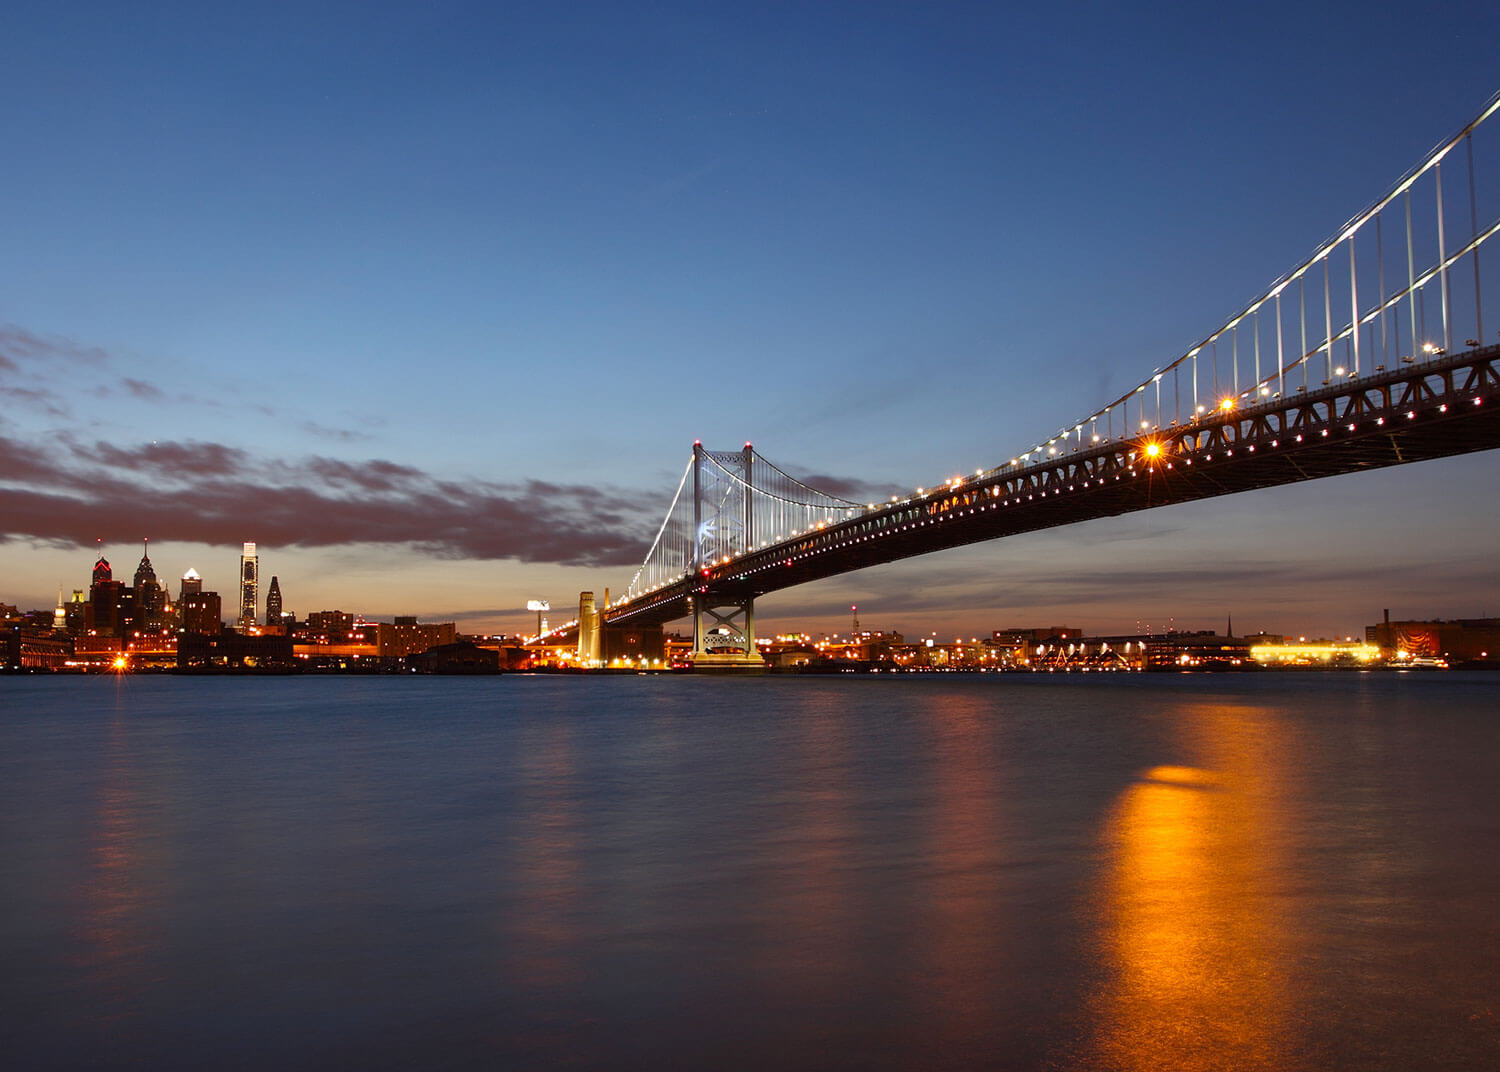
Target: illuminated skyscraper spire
249,588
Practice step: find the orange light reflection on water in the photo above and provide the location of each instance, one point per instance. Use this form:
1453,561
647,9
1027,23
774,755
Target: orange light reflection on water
1197,955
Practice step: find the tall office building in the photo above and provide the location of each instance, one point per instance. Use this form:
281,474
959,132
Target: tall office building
273,602
249,588
150,600
111,604
197,610
200,611
78,613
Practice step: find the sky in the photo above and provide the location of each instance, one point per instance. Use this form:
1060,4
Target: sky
431,301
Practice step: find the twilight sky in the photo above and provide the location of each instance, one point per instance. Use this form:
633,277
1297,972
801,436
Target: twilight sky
432,300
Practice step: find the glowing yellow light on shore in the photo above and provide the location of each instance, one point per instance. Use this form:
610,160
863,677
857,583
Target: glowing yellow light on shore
119,663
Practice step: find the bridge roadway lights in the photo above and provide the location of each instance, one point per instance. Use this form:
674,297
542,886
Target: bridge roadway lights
1442,408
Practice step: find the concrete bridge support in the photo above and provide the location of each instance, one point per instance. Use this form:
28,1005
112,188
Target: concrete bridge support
589,648
724,636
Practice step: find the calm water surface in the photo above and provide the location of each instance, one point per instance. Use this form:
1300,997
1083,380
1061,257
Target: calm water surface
1260,872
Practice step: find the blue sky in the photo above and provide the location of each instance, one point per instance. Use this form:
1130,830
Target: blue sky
431,301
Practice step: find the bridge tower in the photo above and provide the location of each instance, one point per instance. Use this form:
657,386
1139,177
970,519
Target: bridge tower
589,648
723,527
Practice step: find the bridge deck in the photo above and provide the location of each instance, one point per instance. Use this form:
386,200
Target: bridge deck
1435,409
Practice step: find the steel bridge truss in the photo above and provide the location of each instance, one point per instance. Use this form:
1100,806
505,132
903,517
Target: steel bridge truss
1445,406
1400,281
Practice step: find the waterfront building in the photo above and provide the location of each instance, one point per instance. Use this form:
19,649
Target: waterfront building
327,624
1458,640
29,647
406,636
460,657
234,651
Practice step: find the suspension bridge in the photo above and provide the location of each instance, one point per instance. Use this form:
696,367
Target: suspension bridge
1346,363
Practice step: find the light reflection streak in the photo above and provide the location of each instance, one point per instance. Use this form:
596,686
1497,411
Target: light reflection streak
1197,957
965,917
809,916
545,920
112,933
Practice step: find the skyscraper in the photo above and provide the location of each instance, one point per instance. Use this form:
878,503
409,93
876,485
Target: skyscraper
112,605
273,602
249,588
150,601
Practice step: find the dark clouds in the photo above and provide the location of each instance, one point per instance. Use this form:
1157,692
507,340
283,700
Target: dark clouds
19,346
211,493
38,397
29,362
167,459
141,389
56,488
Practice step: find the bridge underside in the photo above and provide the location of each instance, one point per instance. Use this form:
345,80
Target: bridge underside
1438,409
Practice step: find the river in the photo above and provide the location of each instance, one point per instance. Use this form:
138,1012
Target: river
1271,871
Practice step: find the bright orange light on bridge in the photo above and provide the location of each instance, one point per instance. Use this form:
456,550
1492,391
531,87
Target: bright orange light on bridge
1227,404
1153,450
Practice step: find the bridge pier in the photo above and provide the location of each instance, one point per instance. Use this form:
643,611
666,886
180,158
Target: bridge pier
724,636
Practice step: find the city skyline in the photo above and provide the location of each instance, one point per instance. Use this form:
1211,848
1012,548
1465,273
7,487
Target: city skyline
434,305
832,622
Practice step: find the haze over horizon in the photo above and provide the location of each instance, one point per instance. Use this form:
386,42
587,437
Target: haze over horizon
431,304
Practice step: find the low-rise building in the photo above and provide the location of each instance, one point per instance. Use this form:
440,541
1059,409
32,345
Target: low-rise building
407,636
